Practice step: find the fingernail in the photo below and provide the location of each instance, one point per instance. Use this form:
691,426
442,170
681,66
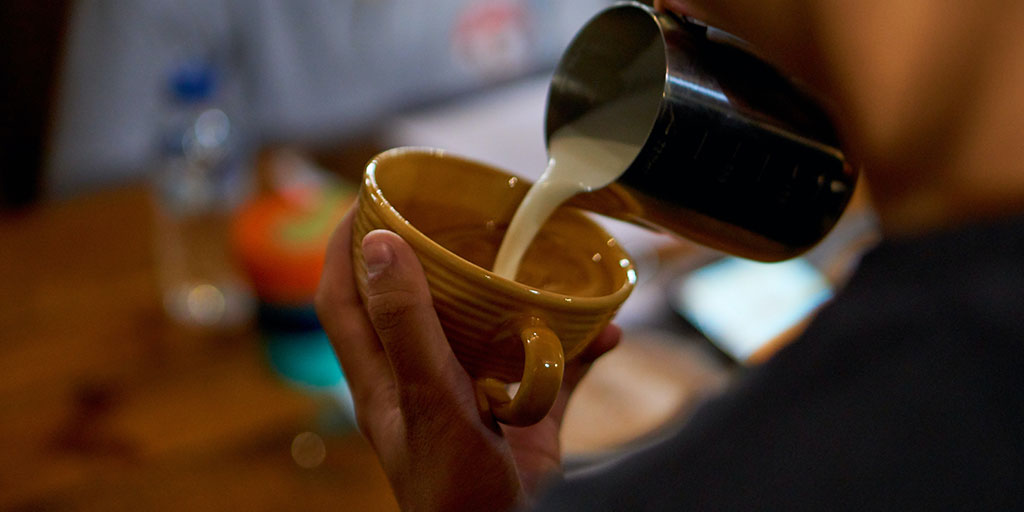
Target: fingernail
378,256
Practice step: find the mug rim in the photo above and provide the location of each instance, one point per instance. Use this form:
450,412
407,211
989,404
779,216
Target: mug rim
480,275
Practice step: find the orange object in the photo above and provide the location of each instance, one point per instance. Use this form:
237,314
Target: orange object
281,240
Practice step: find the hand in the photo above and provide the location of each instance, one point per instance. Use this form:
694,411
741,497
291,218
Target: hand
677,6
415,404
778,28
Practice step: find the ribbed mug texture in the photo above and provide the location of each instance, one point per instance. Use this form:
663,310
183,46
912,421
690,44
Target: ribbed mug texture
479,310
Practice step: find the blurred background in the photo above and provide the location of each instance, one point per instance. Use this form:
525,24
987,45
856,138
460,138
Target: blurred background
171,172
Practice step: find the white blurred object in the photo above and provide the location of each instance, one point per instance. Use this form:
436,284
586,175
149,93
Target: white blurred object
503,127
743,305
202,177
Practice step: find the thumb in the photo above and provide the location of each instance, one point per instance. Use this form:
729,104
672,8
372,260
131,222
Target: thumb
400,308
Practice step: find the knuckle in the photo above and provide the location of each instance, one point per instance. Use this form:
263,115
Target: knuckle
323,298
365,427
390,310
321,303
374,413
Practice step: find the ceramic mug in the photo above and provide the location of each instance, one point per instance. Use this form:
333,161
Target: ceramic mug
453,212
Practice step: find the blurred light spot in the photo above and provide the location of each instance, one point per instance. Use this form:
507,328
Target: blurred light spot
612,242
206,304
212,128
631,274
623,263
308,450
512,182
596,257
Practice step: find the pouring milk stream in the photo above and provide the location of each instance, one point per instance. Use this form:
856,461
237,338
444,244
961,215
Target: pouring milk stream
584,155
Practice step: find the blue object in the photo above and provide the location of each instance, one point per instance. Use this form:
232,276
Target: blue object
304,358
300,353
194,81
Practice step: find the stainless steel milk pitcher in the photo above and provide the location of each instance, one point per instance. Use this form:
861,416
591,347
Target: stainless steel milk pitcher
734,155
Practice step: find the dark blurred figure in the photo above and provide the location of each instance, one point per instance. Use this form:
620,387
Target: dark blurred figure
31,33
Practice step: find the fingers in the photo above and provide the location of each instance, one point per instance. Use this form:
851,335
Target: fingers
576,369
761,20
394,351
608,339
344,320
681,7
401,311
691,9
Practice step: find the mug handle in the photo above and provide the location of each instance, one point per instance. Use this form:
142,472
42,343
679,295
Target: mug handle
542,378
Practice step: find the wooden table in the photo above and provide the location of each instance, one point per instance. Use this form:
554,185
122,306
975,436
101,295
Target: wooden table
105,405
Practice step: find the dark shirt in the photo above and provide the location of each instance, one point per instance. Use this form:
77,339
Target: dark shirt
906,392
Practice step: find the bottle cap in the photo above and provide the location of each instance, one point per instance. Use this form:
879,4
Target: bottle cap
193,81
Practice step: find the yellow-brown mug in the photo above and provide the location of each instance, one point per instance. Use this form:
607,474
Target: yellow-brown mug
453,213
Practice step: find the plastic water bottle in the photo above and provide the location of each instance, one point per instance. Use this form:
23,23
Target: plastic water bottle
199,182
